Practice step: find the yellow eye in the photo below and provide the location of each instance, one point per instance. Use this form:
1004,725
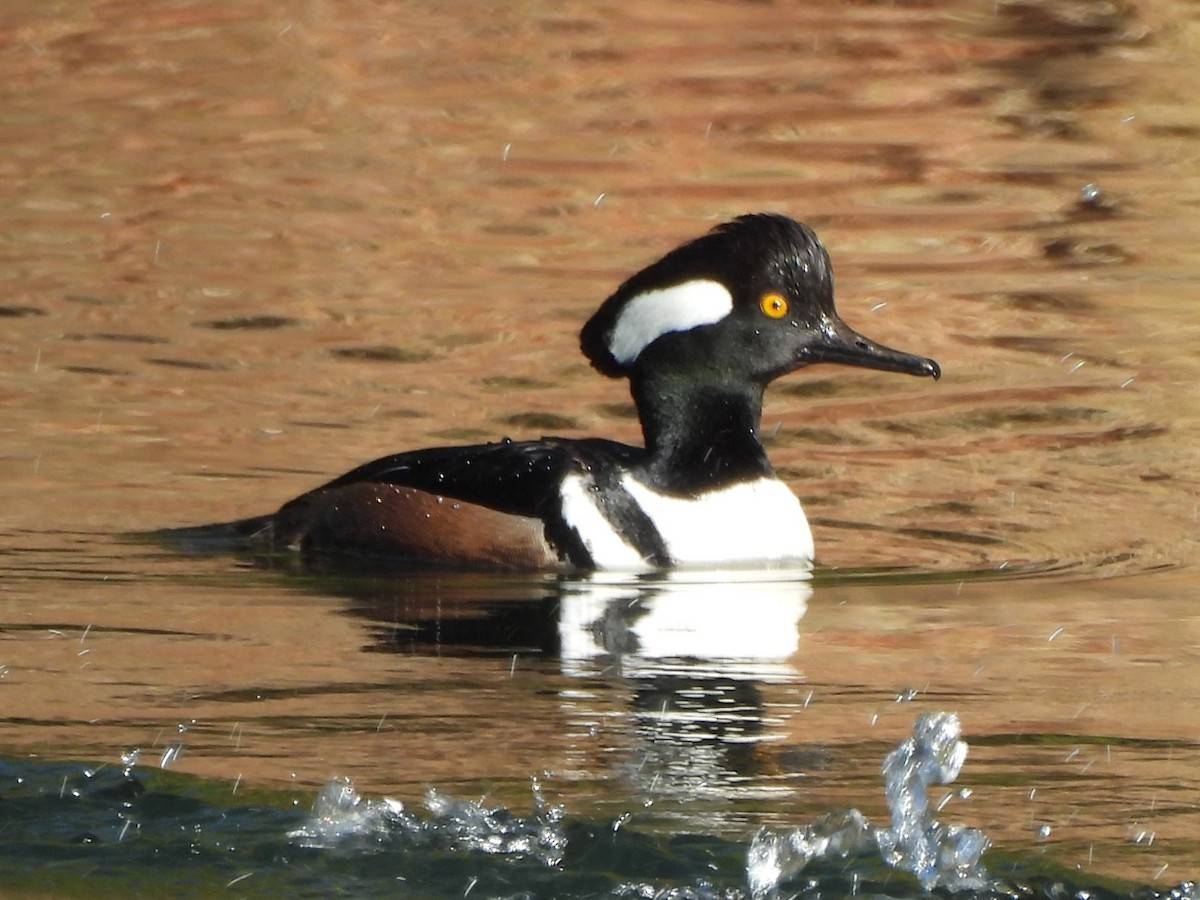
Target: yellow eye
773,305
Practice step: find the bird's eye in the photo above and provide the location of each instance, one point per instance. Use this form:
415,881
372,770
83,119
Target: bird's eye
773,305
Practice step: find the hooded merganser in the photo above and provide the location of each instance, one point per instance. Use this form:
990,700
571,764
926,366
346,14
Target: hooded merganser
699,334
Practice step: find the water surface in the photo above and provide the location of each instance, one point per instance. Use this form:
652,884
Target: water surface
247,248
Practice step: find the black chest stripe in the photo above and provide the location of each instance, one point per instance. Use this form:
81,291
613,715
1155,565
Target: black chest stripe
628,519
624,516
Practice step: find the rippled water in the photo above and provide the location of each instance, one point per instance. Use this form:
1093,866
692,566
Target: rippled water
246,247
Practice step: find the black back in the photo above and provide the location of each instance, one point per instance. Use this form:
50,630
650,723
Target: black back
524,478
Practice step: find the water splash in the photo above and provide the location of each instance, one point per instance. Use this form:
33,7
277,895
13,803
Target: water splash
129,759
849,856
938,855
166,838
701,890
340,817
472,826
774,857
170,754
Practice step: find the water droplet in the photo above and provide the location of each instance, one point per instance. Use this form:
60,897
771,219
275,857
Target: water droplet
129,758
170,754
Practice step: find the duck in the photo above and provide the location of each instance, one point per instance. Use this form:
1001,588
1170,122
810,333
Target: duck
699,334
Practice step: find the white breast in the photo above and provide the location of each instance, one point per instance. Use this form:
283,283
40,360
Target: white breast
749,524
755,522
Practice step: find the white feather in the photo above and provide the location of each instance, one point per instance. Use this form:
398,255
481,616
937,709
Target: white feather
754,522
680,307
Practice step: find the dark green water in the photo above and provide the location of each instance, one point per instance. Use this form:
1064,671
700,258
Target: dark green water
72,830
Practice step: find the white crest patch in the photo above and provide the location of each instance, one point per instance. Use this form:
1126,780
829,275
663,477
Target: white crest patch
751,523
680,307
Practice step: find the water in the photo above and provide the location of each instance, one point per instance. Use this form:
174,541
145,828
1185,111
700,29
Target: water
96,825
244,249
663,758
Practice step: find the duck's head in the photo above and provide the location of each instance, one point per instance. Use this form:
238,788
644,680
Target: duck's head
749,301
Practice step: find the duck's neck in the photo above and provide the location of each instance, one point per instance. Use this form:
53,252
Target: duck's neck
700,436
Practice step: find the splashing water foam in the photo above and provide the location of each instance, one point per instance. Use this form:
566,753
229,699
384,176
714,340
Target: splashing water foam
938,855
340,817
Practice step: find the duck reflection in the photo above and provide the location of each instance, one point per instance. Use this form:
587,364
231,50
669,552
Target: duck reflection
695,656
660,679
727,622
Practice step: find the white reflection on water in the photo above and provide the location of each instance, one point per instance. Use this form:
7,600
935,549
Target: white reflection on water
735,623
693,650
